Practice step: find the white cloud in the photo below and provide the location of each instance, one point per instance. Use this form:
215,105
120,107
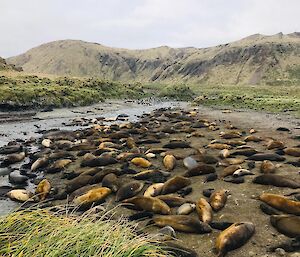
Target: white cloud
141,23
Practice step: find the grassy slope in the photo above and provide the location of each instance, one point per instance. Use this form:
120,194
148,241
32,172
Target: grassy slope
252,60
279,98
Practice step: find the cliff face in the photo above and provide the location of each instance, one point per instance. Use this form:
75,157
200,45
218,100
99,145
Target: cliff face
252,60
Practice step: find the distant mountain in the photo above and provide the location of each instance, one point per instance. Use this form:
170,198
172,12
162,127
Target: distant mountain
253,60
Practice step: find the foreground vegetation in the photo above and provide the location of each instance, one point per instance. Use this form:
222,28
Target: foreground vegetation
38,233
271,98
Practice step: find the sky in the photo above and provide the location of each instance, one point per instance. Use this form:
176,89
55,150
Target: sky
138,24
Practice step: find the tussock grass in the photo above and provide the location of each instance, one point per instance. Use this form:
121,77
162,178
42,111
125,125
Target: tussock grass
36,233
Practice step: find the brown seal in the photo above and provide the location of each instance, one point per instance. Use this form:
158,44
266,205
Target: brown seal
183,223
234,237
281,203
174,184
204,210
151,204
218,199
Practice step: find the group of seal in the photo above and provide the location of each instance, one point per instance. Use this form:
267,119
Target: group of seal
151,168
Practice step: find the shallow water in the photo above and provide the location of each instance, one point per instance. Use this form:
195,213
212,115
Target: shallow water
55,119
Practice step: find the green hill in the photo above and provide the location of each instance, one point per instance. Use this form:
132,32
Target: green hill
257,59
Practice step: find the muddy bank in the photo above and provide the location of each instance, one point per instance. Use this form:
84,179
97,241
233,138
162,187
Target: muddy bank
24,125
242,204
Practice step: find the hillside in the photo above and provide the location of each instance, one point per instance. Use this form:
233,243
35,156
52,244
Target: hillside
257,59
8,67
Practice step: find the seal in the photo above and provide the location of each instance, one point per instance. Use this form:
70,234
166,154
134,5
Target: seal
169,162
100,161
234,237
292,151
39,163
267,167
141,162
229,170
204,210
289,225
186,209
174,184
96,195
13,158
58,165
172,200
129,190
43,189
252,138
266,156
111,181
154,190
177,144
151,204
218,199
153,175
200,169
281,203
77,182
183,223
276,180
20,195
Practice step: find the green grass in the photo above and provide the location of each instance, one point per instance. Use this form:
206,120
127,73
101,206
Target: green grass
269,98
35,92
35,233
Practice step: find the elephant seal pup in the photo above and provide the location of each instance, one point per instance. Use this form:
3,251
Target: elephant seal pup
292,151
141,162
218,199
100,161
93,196
266,156
177,144
200,169
20,195
204,210
151,204
169,162
276,180
43,189
13,158
129,190
234,237
154,189
111,181
182,223
229,170
39,163
289,225
172,200
77,182
156,176
58,165
186,209
281,203
174,184
267,167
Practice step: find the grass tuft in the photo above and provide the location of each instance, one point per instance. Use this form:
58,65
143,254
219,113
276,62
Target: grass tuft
39,232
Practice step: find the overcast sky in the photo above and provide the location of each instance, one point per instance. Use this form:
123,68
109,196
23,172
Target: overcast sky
141,23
